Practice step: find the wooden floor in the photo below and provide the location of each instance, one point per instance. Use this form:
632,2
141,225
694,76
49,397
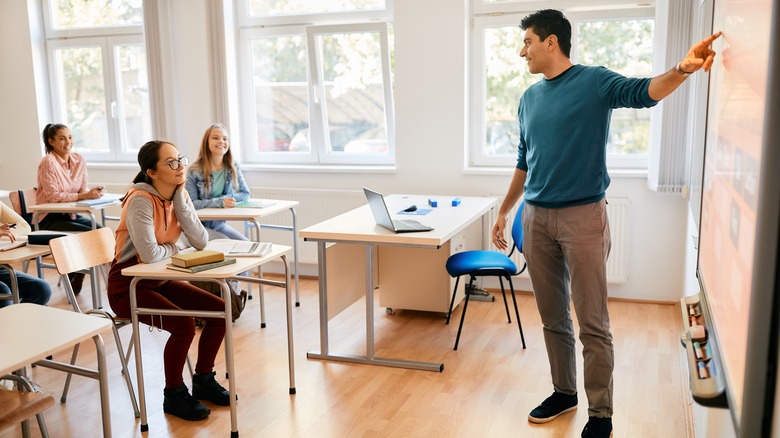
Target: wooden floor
487,388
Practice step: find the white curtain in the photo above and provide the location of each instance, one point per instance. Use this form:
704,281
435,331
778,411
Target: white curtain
668,165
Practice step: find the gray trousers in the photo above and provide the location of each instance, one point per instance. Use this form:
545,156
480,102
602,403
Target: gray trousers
566,250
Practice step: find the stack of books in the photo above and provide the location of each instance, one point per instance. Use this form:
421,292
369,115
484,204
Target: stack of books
198,261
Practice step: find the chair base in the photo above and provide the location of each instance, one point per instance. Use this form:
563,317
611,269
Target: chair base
466,304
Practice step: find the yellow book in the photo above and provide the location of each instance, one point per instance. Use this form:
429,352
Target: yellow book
197,258
204,267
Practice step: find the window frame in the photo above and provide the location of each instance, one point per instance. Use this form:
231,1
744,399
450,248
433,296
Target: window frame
487,16
310,26
107,38
317,114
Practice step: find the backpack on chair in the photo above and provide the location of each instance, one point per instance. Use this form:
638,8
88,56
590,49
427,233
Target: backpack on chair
237,296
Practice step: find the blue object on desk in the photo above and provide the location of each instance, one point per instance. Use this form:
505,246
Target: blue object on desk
456,202
419,211
433,203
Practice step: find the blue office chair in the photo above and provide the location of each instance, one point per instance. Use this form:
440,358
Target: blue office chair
482,263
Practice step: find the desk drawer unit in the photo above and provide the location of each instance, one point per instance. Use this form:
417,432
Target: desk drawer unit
415,278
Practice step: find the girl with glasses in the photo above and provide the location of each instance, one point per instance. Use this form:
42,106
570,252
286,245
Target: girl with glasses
155,211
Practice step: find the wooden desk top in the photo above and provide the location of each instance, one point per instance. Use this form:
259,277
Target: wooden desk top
73,207
23,253
159,270
358,225
238,213
32,332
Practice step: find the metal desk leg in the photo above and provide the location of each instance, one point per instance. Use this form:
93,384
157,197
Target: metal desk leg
231,371
295,256
287,305
369,358
260,290
139,368
103,380
370,302
94,284
323,301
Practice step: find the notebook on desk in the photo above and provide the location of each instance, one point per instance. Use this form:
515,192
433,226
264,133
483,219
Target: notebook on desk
382,215
105,199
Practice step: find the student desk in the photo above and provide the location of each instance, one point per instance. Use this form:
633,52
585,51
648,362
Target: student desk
253,215
40,331
358,227
158,271
73,207
17,255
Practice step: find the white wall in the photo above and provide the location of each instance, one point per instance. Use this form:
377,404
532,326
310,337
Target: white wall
21,146
430,103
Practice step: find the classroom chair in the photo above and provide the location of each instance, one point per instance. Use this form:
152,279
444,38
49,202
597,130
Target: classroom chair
83,251
483,263
19,406
20,200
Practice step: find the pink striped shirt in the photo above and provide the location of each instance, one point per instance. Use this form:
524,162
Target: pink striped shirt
61,181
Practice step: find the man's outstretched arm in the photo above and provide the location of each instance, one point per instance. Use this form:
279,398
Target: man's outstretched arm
700,56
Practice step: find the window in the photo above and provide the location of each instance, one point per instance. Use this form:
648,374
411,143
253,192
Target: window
98,76
619,39
318,93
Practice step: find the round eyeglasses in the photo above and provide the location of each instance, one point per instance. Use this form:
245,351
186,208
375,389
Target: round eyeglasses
175,164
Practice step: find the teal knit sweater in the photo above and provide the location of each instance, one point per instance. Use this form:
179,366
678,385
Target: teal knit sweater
564,124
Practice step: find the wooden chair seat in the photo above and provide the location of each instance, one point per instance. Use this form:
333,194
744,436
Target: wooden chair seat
20,406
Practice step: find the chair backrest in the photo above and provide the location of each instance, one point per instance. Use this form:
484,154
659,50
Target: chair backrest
517,227
19,406
76,252
20,200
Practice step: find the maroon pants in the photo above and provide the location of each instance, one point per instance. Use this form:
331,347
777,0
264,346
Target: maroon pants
171,295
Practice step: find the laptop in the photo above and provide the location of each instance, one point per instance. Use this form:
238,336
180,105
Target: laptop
382,216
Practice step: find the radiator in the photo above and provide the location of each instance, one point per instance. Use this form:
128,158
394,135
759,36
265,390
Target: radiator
618,212
316,205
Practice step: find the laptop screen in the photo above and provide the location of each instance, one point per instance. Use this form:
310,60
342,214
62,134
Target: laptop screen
379,209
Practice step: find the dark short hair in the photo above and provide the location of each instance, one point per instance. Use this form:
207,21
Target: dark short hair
550,22
49,132
148,156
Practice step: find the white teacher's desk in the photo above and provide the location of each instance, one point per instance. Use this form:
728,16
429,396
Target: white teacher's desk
410,267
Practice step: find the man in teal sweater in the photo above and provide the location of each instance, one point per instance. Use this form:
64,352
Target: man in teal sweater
561,168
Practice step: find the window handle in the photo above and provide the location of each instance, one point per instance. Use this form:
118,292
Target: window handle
113,109
316,94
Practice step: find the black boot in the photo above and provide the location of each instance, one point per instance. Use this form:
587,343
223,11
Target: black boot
180,403
205,387
76,281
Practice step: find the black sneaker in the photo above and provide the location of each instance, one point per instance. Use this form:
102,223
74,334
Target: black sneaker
205,387
180,403
598,428
76,281
556,404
